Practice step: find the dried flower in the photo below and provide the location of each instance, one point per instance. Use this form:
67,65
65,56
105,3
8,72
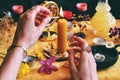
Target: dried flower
114,32
23,70
47,66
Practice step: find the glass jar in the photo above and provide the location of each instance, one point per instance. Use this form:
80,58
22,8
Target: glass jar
103,20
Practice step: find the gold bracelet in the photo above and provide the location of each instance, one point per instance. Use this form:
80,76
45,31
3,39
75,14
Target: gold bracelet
16,45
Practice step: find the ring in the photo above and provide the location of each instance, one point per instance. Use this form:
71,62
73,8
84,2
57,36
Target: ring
87,49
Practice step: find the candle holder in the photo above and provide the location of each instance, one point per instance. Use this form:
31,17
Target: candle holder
61,49
59,56
51,49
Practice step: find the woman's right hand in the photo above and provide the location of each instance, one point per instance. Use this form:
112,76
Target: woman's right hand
28,30
86,68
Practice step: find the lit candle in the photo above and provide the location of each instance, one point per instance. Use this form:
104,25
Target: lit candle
62,34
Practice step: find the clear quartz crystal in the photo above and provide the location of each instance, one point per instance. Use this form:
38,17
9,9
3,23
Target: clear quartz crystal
103,20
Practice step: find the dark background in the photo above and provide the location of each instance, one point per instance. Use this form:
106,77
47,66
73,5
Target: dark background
66,4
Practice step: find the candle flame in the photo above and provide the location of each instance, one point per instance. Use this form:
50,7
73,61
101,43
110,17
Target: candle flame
61,12
107,1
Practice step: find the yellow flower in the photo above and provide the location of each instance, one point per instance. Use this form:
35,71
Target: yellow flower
39,54
23,70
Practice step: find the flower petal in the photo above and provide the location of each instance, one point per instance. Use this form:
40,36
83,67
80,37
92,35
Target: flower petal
48,62
47,66
47,70
51,60
42,62
53,68
41,69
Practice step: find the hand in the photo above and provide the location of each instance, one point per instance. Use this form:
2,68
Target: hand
79,43
86,69
27,31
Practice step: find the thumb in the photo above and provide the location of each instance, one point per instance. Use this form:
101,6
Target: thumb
43,24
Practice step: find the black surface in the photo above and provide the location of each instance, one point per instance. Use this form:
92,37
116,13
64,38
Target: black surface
111,55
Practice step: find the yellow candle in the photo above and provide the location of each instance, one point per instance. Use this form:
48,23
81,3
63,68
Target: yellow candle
62,35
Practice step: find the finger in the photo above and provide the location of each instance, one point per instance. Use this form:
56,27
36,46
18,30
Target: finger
83,66
45,10
44,13
40,14
75,43
40,18
73,68
31,13
35,10
78,39
77,49
81,41
91,57
84,58
43,24
38,9
93,67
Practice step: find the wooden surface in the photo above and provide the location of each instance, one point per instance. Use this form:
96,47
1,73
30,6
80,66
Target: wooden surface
111,73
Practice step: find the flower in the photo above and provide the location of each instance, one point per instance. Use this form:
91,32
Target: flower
115,32
39,53
47,66
23,70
